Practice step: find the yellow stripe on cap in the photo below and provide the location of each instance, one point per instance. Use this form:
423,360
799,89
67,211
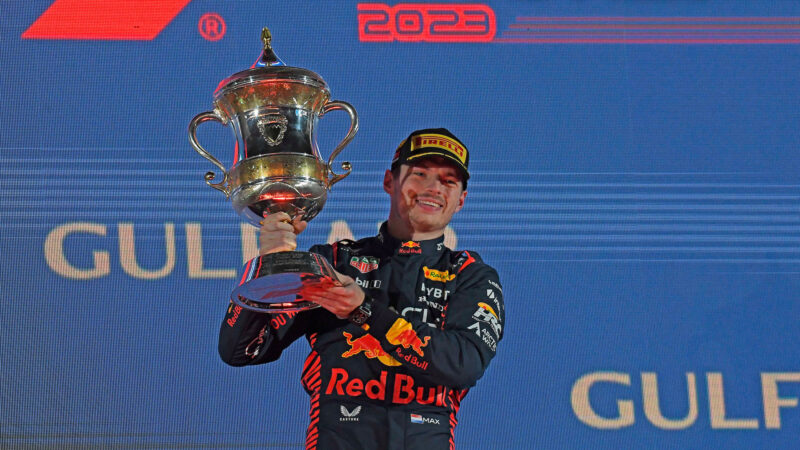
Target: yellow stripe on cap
441,142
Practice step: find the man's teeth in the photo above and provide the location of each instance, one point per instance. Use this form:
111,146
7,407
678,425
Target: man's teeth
435,205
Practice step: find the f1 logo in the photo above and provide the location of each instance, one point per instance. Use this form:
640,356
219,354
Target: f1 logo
422,22
115,20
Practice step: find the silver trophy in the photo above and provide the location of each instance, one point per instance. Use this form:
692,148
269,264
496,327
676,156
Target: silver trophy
273,110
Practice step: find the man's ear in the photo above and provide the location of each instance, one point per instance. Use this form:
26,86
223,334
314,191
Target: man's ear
461,200
388,181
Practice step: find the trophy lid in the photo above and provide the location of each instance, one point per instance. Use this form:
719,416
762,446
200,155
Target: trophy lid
268,68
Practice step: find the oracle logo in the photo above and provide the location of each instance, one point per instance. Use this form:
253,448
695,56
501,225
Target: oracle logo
420,22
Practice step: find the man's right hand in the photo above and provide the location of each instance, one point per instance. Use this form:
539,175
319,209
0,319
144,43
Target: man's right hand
279,232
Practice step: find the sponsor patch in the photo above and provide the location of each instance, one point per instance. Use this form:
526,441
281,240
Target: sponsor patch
254,347
488,308
417,418
486,314
488,340
364,264
409,247
441,142
424,300
490,294
368,284
420,313
370,346
236,311
410,358
404,335
400,389
437,275
349,416
434,292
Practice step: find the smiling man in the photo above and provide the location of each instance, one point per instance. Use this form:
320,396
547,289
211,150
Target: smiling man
412,325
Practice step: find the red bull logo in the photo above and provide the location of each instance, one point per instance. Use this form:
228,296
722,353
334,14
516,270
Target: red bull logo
410,247
403,334
370,347
236,311
402,388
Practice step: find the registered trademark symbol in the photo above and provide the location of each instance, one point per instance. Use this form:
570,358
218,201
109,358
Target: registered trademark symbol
211,26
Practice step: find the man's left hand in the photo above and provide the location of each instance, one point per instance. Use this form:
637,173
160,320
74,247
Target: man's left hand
339,300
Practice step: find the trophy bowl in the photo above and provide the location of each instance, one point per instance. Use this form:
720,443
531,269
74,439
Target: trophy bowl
273,111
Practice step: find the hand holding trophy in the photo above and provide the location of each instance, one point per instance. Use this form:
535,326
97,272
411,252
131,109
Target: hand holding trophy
273,110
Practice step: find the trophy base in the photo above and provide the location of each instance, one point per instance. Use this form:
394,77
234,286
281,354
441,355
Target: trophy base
273,283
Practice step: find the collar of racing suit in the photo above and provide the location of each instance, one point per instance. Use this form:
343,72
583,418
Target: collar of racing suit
397,246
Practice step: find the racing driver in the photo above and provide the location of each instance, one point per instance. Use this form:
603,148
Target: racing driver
412,326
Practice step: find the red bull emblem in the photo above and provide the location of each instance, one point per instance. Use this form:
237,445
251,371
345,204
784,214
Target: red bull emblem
370,346
404,335
410,247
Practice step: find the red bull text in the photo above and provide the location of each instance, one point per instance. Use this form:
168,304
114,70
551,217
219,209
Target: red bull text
403,390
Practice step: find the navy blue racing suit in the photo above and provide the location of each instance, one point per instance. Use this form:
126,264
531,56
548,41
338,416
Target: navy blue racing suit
395,382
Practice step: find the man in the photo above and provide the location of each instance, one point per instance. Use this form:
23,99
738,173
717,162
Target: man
412,327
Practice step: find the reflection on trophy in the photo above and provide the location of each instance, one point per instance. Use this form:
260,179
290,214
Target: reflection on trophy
273,111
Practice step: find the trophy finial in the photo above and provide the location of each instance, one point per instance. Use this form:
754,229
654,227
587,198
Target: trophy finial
268,57
266,38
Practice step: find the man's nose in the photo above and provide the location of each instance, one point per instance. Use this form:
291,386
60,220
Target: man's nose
433,185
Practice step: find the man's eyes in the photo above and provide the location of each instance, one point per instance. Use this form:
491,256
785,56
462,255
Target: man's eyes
421,173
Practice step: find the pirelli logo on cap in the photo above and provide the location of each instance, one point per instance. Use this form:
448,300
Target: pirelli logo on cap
441,142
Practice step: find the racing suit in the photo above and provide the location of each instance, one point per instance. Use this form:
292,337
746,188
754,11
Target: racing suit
395,382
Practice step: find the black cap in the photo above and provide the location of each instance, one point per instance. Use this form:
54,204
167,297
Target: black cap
433,142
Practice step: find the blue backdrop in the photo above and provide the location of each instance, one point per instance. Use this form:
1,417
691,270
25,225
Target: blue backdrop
635,183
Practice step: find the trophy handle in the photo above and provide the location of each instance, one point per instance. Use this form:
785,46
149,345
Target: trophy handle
210,176
346,166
